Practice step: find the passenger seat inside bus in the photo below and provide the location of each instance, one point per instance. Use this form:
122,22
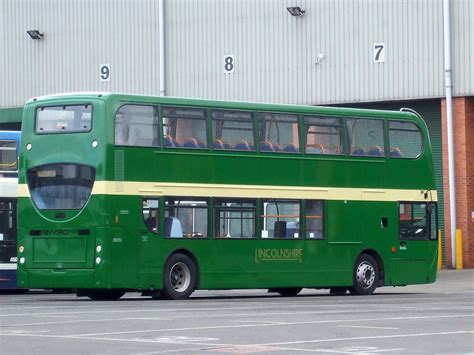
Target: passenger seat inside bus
242,145
375,151
173,227
190,143
218,144
290,148
168,141
358,151
266,146
395,152
280,229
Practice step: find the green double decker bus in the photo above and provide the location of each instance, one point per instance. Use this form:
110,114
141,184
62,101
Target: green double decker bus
167,195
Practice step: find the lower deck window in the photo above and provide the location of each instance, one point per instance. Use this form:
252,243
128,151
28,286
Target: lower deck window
281,219
186,218
314,219
151,215
235,219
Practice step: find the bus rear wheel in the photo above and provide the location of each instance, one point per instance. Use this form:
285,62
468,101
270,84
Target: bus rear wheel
180,278
366,275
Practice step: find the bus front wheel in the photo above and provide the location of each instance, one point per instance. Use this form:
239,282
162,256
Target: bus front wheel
180,277
366,275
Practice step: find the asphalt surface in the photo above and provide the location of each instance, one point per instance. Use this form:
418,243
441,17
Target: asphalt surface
426,319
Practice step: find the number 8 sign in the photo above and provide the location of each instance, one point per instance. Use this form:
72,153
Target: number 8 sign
229,65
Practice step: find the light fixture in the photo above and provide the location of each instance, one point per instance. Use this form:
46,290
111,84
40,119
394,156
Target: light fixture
295,11
35,34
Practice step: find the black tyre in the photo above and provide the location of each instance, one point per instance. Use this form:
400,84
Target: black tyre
366,275
288,291
179,278
105,295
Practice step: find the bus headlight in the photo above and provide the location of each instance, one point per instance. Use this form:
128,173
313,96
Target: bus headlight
22,260
98,260
98,248
94,144
29,146
21,249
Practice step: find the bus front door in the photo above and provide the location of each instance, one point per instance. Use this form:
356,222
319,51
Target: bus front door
414,257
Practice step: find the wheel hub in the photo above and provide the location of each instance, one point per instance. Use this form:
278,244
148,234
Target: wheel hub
365,275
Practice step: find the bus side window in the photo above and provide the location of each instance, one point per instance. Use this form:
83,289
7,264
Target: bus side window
235,218
151,214
137,125
229,127
186,217
314,219
280,130
281,219
185,126
406,139
366,137
323,135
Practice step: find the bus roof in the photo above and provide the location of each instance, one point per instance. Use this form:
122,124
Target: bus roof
243,105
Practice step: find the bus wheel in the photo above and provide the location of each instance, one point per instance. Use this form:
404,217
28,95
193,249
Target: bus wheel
366,276
180,277
288,291
105,295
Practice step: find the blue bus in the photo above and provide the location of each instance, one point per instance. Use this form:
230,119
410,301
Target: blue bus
9,146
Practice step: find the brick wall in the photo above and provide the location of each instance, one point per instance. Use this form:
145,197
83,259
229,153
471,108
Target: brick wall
463,126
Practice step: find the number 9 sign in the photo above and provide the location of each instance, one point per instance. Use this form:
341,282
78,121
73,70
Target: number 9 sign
104,72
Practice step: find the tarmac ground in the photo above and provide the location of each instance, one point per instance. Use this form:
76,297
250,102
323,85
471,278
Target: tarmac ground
425,319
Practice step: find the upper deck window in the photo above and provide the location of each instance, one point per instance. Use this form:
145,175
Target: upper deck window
64,119
184,127
406,140
137,125
323,135
8,160
232,130
366,136
278,132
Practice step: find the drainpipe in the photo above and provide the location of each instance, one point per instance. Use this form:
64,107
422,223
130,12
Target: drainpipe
449,116
161,20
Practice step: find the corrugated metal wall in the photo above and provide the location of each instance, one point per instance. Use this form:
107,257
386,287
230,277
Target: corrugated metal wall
79,36
276,54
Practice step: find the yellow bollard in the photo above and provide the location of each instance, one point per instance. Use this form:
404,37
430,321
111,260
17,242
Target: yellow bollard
459,264
440,251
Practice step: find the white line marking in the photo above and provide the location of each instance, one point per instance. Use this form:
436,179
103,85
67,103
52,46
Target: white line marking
367,327
366,338
275,325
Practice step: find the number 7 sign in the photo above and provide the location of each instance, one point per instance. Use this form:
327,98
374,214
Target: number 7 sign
379,52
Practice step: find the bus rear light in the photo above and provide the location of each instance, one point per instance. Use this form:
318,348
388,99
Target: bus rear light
394,249
98,248
98,260
22,260
21,249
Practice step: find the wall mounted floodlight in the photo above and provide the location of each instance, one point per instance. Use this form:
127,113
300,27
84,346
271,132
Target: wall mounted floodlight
295,11
35,34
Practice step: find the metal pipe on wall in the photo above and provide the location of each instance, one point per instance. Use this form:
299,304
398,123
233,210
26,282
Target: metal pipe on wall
449,116
161,36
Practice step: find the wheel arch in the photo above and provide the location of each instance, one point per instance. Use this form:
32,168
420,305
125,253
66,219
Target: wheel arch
379,261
